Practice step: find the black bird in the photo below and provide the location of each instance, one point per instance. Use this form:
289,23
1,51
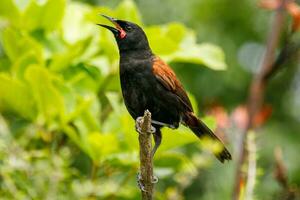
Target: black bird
147,82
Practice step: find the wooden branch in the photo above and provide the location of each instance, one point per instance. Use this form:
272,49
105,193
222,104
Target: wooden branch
251,147
146,163
257,92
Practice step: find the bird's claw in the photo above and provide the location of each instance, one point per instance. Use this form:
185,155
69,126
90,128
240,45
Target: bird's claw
154,179
141,185
139,182
138,123
139,120
152,129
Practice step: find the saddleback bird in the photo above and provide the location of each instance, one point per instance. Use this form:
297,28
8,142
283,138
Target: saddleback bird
147,82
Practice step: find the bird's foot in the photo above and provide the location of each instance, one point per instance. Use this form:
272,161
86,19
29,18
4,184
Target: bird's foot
163,124
152,130
141,185
139,182
154,179
138,123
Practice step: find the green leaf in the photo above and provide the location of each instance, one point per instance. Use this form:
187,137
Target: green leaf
91,116
21,64
185,134
49,101
102,145
76,26
21,4
171,142
72,107
16,44
53,13
176,32
175,161
127,10
179,45
114,100
157,37
47,15
210,121
212,56
194,103
14,96
4,64
9,11
61,61
206,54
170,35
32,16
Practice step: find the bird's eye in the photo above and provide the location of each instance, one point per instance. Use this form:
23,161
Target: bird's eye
128,28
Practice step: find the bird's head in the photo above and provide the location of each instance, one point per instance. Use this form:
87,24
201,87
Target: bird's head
129,36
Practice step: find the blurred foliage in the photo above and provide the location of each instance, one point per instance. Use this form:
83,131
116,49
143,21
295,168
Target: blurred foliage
64,131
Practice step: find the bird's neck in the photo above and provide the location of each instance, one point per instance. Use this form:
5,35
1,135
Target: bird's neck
136,54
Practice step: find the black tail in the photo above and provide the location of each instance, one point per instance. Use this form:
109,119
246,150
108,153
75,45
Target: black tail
201,130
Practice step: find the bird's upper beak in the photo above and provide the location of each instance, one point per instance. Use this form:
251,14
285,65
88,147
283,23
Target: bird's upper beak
117,28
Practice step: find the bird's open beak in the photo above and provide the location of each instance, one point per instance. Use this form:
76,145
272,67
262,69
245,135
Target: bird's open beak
117,28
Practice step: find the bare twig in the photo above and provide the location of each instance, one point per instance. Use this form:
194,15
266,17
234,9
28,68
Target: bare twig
257,91
289,192
146,163
280,170
251,146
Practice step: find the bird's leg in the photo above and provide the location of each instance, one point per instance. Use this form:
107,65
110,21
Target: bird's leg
138,122
154,179
163,124
157,140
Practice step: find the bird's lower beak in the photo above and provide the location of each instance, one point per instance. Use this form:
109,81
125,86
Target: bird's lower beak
115,30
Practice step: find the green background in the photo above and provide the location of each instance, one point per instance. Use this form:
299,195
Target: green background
64,130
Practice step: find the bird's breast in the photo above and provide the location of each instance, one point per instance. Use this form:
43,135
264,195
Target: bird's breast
137,83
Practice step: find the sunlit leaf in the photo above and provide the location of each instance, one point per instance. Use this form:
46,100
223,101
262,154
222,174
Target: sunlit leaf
46,15
16,44
212,56
205,54
49,102
102,144
72,54
20,65
173,139
114,100
176,32
10,11
128,10
15,97
76,26
194,103
91,117
54,11
175,43
160,41
210,121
